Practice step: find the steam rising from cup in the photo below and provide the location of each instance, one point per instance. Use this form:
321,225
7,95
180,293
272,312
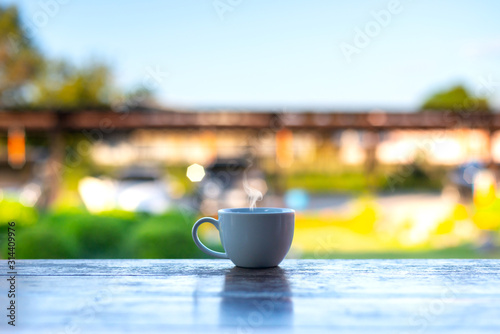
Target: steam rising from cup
253,194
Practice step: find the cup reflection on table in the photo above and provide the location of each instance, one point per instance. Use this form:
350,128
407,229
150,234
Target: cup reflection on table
253,299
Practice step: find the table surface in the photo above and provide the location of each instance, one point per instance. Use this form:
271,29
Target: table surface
309,296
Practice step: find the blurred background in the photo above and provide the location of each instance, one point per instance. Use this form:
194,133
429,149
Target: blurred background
377,121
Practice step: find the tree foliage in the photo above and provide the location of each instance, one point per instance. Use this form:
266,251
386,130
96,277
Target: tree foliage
456,99
28,80
60,85
19,58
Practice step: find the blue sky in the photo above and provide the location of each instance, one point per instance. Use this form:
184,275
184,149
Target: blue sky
282,53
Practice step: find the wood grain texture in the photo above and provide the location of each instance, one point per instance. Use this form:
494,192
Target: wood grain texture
213,296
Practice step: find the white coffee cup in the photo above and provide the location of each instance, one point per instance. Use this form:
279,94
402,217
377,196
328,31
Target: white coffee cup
252,238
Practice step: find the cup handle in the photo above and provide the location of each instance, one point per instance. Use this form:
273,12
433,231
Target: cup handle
200,245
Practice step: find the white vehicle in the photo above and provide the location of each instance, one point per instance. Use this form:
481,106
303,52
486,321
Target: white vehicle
136,189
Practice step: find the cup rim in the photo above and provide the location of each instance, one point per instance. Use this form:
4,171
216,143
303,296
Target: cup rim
242,211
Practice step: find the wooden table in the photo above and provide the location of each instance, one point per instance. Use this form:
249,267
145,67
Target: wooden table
213,296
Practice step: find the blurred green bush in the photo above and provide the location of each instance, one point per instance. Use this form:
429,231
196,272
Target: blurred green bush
77,234
40,243
154,239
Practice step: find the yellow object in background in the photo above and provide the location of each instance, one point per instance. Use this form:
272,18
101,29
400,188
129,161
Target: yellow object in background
487,219
487,216
484,188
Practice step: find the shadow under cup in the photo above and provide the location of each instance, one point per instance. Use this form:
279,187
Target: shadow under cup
252,238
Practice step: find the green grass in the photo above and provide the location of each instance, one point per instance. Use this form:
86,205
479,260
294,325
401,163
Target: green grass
462,252
411,177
